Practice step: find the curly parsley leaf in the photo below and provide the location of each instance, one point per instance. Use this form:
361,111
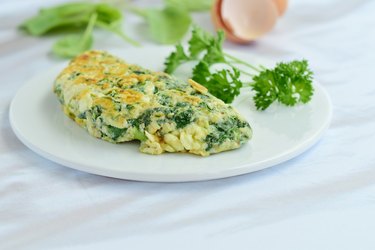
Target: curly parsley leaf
215,52
200,41
289,83
175,59
201,72
224,84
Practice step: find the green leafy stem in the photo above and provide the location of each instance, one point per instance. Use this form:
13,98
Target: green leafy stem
288,83
166,25
76,16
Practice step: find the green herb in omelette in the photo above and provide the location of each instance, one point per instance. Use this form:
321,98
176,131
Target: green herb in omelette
288,83
183,118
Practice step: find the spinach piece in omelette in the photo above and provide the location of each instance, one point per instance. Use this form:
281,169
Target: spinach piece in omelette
96,111
226,130
183,118
115,132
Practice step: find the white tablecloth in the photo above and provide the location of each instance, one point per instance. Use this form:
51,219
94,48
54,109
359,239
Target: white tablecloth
323,199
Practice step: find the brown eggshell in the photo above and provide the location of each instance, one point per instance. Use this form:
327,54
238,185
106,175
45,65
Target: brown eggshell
244,20
281,6
218,23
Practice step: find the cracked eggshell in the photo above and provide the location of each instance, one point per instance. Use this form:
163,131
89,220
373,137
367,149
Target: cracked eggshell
244,21
281,5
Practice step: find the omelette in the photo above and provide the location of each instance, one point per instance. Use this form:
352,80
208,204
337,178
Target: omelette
120,102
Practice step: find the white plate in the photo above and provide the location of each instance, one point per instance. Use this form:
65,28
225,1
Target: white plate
280,134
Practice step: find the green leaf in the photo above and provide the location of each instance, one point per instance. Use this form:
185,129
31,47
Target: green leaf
109,15
70,46
201,72
116,28
215,52
191,5
110,18
265,88
289,83
73,45
167,25
200,41
75,15
62,16
297,78
175,59
224,84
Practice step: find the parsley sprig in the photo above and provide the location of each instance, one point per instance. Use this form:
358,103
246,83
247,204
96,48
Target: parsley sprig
288,83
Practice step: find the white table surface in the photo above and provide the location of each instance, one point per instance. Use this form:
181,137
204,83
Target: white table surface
323,199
